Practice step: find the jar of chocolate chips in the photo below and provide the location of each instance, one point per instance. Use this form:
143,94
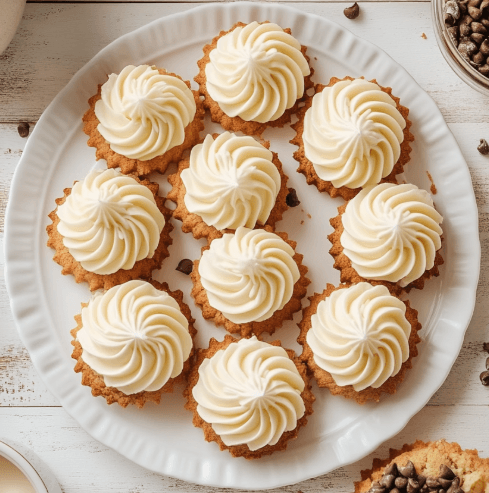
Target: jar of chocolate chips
462,32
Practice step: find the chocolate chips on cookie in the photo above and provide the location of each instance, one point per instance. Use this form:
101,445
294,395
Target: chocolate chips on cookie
397,479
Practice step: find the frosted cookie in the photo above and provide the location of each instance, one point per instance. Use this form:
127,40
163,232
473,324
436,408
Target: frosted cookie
389,234
425,467
351,134
253,77
359,340
250,397
110,228
133,342
142,119
227,182
250,281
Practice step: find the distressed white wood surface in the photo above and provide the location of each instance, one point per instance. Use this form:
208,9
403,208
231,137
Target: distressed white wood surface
54,40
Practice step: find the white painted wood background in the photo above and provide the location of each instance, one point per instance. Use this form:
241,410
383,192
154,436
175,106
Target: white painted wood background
54,40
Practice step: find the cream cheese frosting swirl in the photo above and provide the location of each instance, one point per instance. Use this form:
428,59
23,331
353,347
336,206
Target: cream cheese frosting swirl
250,393
360,335
256,72
135,336
109,222
143,113
391,232
231,182
248,275
353,133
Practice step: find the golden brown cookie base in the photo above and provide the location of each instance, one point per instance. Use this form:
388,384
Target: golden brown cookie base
427,459
142,268
193,223
95,381
350,276
324,378
242,450
253,328
128,165
307,168
237,124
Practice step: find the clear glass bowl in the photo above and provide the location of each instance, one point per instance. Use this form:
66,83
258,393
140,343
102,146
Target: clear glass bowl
463,69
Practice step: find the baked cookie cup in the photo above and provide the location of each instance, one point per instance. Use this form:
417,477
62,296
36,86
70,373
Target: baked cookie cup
359,340
143,119
232,181
139,336
423,467
258,379
355,134
108,252
248,99
250,282
388,234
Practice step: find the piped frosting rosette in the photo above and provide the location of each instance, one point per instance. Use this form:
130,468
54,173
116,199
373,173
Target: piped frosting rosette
250,392
391,233
143,113
248,275
353,133
231,182
135,336
256,72
360,335
109,222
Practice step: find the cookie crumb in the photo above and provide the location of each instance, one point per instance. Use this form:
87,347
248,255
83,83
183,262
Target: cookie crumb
433,189
309,216
423,35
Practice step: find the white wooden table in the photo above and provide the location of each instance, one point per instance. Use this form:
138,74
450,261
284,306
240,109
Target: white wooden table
54,40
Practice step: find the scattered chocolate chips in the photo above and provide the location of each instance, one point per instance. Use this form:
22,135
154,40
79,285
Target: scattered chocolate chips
398,479
185,266
23,129
484,376
483,147
292,199
352,12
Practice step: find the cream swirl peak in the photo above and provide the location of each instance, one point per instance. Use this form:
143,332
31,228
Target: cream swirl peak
256,72
360,335
135,336
248,275
231,182
391,232
250,393
143,113
353,133
109,222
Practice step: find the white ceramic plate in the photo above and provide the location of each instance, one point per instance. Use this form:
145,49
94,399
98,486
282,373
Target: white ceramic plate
162,437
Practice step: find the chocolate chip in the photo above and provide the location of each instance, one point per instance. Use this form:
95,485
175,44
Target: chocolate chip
484,70
477,38
465,30
485,347
421,480
185,266
412,486
474,3
400,482
391,469
487,364
463,6
388,481
477,27
449,20
453,33
408,470
484,6
432,483
484,49
352,12
446,472
23,129
475,13
291,199
485,23
395,490
445,483
452,8
377,488
479,58
484,376
471,48
467,20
